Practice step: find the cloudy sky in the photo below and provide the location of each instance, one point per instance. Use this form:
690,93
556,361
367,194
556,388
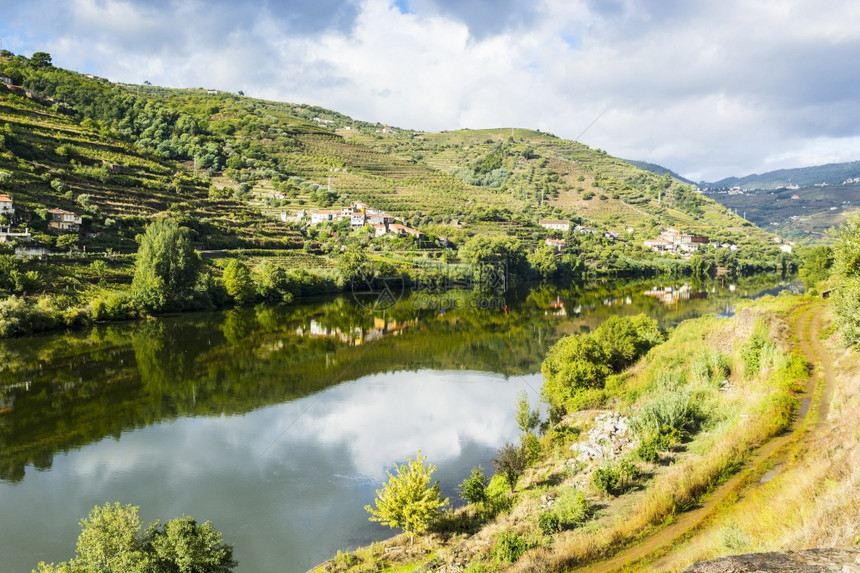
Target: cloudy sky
709,88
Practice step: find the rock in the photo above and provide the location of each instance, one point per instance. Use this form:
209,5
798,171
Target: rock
807,561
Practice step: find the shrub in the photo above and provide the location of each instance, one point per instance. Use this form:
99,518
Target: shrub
115,305
571,508
474,488
650,445
678,409
573,364
549,523
509,547
511,462
19,317
615,479
499,498
752,350
531,446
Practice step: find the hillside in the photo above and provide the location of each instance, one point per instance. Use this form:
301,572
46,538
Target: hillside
799,214
659,170
86,165
138,150
829,174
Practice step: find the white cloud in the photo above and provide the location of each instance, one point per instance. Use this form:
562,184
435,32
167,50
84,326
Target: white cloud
707,88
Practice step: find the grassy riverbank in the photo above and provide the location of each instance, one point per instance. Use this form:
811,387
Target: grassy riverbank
727,387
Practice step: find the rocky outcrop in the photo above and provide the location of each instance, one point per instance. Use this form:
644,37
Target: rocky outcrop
607,440
808,561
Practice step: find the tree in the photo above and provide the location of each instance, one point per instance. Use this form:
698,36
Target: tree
111,541
624,339
511,462
846,300
166,268
352,264
40,59
184,546
238,282
474,488
544,262
527,420
408,500
573,364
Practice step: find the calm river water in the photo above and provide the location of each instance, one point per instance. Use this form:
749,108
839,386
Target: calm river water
278,424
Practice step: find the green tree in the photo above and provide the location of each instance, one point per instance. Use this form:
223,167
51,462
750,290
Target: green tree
352,264
41,59
166,268
111,541
574,363
184,546
817,263
408,500
474,488
238,282
624,339
846,300
544,262
527,420
275,282
511,461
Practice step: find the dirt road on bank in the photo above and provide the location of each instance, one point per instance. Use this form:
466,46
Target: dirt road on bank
776,452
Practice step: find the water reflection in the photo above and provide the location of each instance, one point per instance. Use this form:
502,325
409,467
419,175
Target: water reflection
277,423
300,470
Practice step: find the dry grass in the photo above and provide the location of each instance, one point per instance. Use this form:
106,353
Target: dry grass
811,501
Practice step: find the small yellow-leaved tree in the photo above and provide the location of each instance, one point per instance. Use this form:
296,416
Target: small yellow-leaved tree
408,500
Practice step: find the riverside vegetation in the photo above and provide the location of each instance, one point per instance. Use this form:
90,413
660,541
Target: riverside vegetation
224,168
626,453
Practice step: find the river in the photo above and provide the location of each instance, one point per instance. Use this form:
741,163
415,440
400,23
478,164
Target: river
278,423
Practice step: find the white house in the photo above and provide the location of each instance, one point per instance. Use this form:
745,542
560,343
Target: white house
555,224
63,220
557,244
6,206
357,219
321,216
379,229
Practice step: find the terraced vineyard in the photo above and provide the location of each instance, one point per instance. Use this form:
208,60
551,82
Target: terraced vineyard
229,167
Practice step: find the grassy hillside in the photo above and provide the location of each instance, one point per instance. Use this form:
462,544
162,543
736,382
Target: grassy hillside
137,150
239,173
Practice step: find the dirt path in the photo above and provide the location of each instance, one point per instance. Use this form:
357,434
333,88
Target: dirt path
813,410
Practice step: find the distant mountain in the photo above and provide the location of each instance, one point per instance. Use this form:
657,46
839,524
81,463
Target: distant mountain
831,174
659,170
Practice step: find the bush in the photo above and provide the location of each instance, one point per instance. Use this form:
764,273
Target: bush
499,498
615,479
116,305
676,409
509,547
752,350
651,445
571,508
19,317
474,488
549,523
531,446
511,462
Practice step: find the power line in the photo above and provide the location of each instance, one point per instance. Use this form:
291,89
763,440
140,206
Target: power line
592,123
